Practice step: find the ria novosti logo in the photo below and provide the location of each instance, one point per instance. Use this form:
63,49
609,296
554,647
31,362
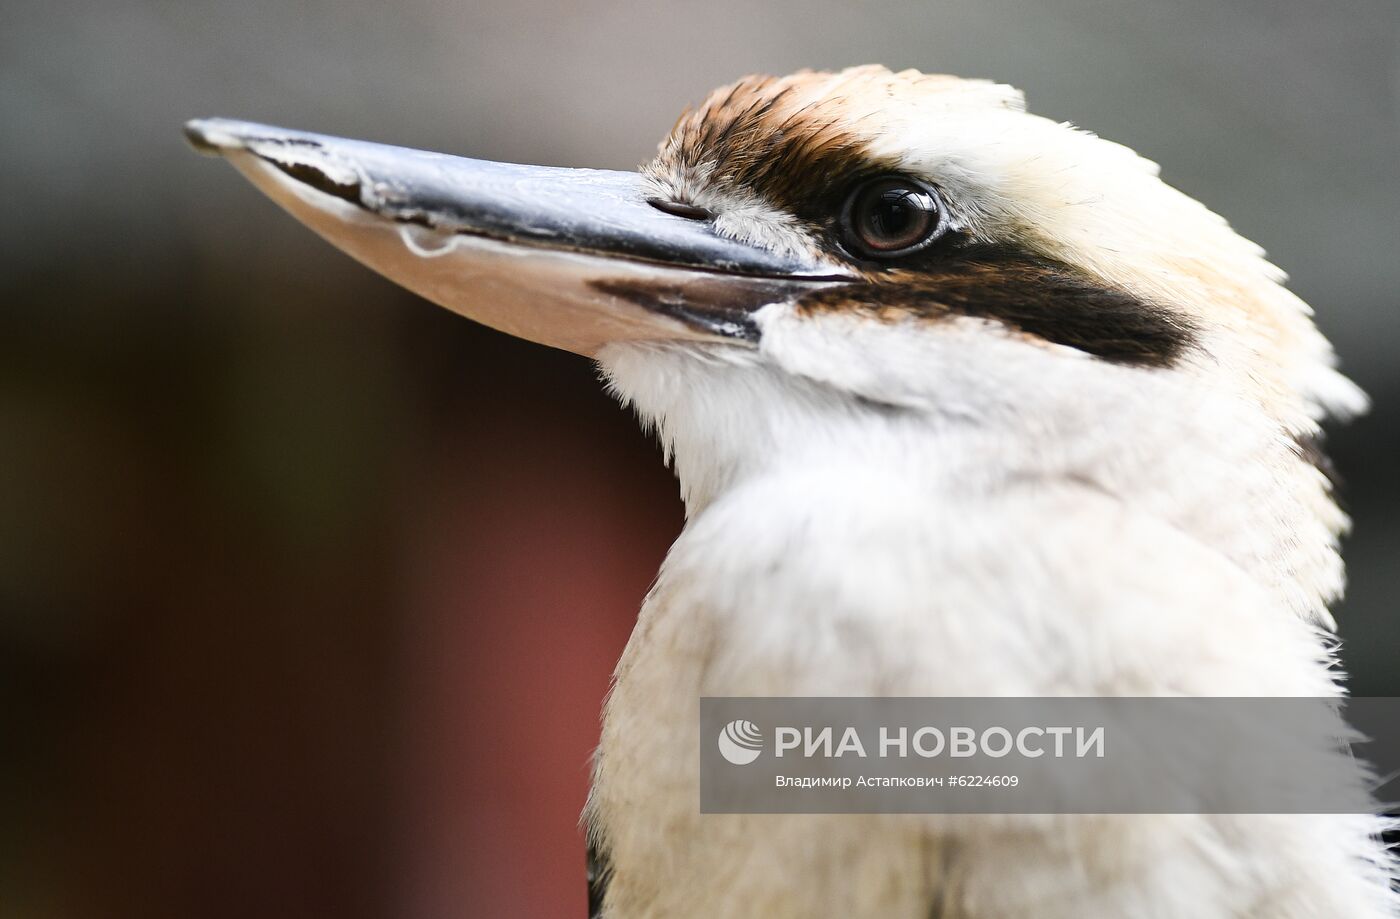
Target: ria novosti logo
740,742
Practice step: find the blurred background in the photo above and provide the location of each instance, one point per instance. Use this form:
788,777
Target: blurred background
309,590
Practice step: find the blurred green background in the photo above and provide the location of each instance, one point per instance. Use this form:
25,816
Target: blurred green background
309,590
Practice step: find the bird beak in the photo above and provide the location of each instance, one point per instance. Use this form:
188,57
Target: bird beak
573,258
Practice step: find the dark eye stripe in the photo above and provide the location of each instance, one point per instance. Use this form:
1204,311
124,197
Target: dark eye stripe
1031,294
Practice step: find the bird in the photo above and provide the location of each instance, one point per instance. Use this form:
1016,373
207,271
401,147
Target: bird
961,401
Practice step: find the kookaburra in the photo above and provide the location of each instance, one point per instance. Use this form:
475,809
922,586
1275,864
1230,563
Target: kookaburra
962,402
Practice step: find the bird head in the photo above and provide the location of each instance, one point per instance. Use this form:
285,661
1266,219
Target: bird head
890,274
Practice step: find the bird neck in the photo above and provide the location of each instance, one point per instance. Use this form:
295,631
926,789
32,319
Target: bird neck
739,431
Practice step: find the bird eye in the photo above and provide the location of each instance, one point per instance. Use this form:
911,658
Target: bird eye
892,216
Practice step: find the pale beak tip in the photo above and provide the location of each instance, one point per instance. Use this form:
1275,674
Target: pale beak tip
212,136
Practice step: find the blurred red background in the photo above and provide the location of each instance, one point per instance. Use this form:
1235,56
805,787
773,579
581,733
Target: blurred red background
230,720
